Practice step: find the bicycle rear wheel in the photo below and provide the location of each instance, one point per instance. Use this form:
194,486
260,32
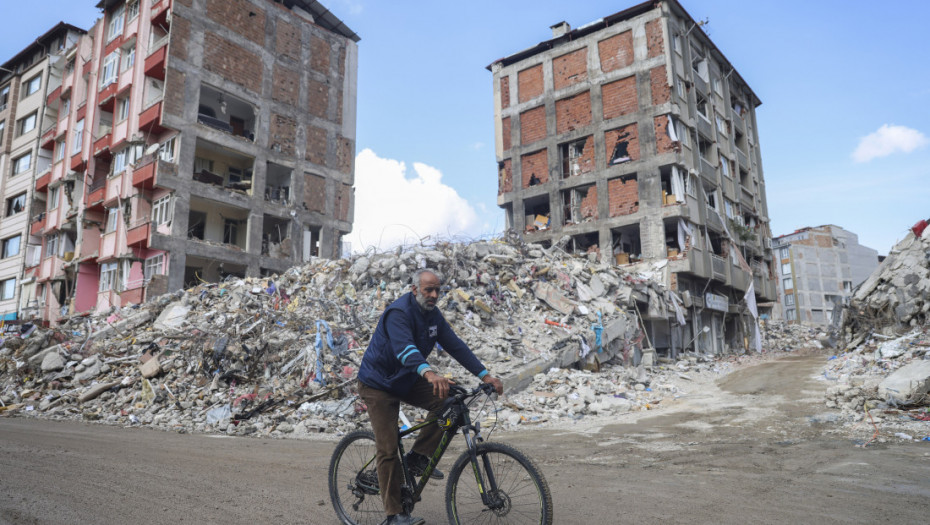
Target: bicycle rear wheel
353,480
522,494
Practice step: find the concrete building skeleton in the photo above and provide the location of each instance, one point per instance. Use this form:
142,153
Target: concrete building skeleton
819,267
186,141
635,139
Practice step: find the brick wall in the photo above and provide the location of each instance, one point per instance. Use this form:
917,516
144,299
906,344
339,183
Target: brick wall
622,196
287,39
534,164
232,62
664,143
654,43
343,199
286,85
344,151
180,37
661,92
505,92
505,133
174,93
570,68
319,55
616,52
619,97
505,177
530,83
573,112
617,139
240,16
533,125
586,161
317,98
589,204
283,132
316,145
315,192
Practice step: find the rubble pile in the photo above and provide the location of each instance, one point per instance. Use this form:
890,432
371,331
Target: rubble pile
785,337
883,377
279,355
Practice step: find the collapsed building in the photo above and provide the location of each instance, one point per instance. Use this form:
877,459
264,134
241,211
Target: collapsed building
173,143
634,138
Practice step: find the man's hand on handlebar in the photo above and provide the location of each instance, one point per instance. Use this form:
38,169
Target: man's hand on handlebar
495,382
440,383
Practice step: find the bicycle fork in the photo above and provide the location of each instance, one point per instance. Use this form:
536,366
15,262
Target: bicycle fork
490,495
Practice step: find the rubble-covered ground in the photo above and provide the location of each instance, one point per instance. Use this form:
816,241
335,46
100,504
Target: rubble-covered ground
278,356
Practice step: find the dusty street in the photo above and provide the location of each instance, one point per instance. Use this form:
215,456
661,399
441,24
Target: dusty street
738,450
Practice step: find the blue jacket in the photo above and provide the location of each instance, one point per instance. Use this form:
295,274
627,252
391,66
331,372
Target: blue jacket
404,338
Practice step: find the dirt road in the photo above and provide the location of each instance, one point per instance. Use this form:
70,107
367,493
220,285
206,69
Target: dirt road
739,450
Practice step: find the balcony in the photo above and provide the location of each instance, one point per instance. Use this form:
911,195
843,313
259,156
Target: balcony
719,266
737,121
117,187
95,194
48,138
42,182
150,119
138,235
106,98
102,145
53,96
713,219
708,171
160,13
742,159
77,163
38,224
745,197
155,63
152,173
49,268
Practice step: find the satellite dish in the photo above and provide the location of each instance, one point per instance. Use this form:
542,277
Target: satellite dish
151,149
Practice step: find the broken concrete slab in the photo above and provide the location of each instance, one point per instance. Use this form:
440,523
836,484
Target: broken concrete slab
95,390
908,383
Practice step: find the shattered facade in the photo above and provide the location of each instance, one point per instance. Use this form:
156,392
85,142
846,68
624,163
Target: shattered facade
818,268
633,138
23,114
186,142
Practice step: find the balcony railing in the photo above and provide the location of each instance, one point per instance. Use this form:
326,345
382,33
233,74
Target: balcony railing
719,266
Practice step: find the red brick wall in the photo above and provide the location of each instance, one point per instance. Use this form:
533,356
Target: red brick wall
533,125
664,143
316,145
622,196
661,93
505,177
174,94
232,62
283,133
654,43
505,133
240,16
286,85
626,134
589,204
339,106
315,192
344,152
534,164
343,199
616,52
530,83
619,97
318,98
319,55
586,161
505,92
287,40
180,37
573,112
570,68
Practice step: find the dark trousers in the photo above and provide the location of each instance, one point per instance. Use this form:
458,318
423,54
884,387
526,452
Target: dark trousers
383,409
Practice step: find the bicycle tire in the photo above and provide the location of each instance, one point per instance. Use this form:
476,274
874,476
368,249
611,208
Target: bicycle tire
355,502
520,484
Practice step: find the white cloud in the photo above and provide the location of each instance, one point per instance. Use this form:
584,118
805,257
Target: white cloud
887,140
392,209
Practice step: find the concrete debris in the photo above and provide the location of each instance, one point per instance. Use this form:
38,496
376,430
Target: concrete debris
279,355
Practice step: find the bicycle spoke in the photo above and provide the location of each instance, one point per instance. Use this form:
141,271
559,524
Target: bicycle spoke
355,502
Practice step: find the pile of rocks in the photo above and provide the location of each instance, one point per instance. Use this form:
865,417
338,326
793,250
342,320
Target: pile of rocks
279,355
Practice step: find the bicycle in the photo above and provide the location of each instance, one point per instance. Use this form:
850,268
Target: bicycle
507,486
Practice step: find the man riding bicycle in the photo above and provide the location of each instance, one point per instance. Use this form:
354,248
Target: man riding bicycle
394,369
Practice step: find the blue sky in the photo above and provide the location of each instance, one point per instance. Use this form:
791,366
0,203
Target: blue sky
845,88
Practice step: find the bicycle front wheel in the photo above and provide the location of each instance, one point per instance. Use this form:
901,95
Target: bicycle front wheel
519,493
353,480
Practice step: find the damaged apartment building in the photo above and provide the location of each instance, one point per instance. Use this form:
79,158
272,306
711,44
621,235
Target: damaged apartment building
819,267
178,142
634,138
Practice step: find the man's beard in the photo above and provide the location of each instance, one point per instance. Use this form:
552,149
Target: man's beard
421,300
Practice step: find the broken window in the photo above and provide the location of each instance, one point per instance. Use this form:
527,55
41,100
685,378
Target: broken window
621,152
15,204
153,266
705,148
537,213
678,236
196,225
311,243
744,179
723,126
573,158
710,197
625,244
224,112
276,240
108,276
724,166
698,62
740,140
673,184
220,166
277,183
579,204
583,243
702,108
